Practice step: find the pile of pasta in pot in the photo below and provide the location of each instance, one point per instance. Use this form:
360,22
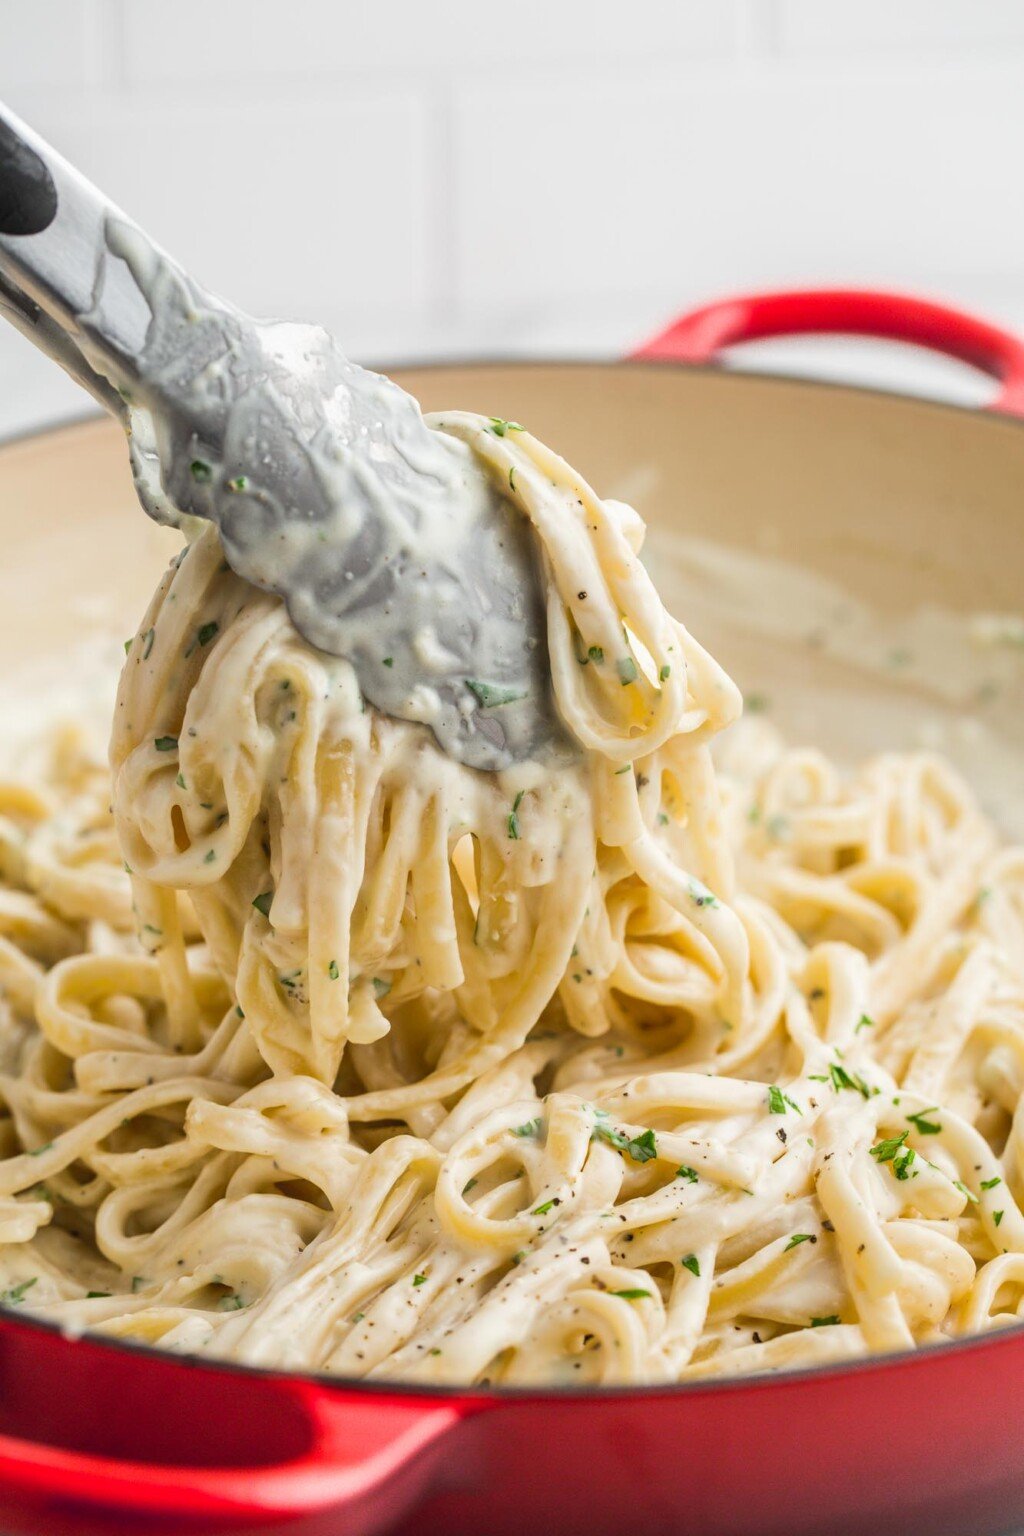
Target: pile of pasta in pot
322,1051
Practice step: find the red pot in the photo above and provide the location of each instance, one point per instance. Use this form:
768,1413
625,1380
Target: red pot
98,1436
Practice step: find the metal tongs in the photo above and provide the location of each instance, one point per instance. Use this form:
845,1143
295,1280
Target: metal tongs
384,537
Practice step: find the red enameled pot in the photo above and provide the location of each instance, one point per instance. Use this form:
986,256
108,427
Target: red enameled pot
905,501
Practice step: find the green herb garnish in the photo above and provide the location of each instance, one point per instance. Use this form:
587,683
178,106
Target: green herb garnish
626,668
632,1294
841,1078
262,903
332,970
689,1174
16,1293
797,1239
207,631
166,743
499,426
885,1151
201,472
491,695
692,1263
530,1128
925,1127
640,1148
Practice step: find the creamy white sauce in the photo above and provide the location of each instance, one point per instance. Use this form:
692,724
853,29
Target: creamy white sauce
387,539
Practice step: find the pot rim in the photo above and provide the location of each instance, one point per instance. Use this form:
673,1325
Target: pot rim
515,361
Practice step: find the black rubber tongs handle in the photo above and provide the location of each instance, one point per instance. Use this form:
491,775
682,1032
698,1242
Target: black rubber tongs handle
59,283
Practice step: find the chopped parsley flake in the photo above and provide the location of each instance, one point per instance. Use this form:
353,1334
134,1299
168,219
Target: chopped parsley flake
16,1293
665,673
640,1148
692,1263
689,1174
211,854
991,1183
381,986
166,743
779,1102
389,661
885,1151
840,1078
634,1293
530,1128
239,483
262,903
596,654
797,1239
500,427
180,781
925,1127
332,970
542,1210
864,1022
232,1303
512,824
201,471
626,668
997,1217
969,1193
207,631
419,1279
701,896
127,646
491,695
824,1322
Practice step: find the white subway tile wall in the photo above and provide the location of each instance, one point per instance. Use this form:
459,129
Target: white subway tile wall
558,176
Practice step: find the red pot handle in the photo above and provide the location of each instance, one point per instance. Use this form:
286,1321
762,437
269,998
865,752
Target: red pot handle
356,1446
698,336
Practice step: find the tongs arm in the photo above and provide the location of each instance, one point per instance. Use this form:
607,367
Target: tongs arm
59,283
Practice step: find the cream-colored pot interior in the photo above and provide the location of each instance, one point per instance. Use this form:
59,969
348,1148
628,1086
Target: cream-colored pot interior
854,558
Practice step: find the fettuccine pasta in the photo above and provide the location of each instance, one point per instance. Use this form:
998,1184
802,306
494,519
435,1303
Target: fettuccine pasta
321,1051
